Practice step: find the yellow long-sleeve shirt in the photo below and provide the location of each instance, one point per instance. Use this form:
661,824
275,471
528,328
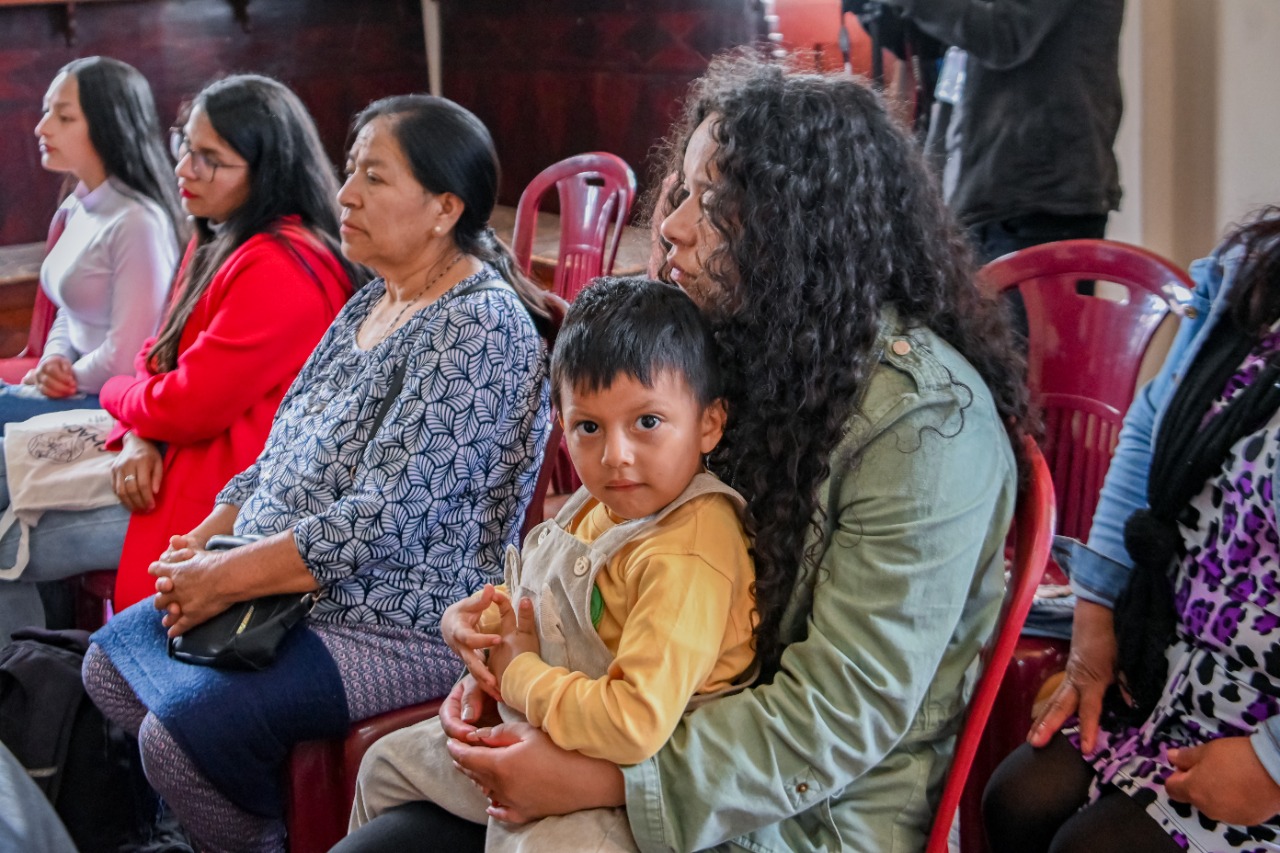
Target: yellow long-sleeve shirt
678,614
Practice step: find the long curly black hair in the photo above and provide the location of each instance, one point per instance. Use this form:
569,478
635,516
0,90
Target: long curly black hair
828,216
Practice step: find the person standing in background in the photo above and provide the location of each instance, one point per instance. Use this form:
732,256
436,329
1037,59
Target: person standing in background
1037,103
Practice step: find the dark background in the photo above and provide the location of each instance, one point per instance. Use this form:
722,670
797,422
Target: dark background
551,78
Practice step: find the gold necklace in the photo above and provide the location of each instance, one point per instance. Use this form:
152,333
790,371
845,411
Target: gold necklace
386,333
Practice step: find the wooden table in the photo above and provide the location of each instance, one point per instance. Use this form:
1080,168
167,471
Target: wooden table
633,250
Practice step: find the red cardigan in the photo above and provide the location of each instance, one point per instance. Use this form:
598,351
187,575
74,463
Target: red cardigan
244,343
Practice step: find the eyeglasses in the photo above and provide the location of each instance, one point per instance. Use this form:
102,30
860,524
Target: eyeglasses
204,166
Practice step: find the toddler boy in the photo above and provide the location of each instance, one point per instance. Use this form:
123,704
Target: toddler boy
640,588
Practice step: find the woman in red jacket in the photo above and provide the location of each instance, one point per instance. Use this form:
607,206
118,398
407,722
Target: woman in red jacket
260,283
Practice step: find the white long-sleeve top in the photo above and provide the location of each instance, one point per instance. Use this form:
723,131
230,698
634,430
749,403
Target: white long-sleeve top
109,275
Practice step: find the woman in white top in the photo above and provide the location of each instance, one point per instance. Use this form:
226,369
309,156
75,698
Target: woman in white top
109,271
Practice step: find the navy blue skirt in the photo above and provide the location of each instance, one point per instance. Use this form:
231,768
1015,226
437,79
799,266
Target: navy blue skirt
237,726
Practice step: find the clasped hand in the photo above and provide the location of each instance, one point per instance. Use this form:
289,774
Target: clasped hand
187,584
517,633
54,376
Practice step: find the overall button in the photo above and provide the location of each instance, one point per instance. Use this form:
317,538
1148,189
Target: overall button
542,537
581,566
900,347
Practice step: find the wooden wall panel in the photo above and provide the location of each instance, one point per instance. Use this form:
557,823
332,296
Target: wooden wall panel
338,55
553,78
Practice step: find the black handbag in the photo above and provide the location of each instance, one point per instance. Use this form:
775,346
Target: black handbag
246,635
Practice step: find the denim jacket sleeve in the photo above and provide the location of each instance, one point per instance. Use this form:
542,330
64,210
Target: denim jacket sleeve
1099,571
910,562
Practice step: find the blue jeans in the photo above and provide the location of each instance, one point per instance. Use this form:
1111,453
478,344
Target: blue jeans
22,402
63,543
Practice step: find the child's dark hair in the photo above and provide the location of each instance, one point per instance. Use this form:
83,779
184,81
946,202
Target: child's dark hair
636,327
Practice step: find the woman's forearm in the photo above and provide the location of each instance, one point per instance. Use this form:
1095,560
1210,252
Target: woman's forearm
221,521
270,566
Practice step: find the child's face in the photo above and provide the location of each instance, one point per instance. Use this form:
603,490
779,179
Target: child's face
637,448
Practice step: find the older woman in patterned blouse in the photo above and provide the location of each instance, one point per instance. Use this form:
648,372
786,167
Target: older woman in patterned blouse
390,523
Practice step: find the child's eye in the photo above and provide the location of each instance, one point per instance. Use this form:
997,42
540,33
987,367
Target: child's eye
647,422
588,427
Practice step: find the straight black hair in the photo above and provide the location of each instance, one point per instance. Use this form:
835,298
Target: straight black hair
450,150
289,175
634,327
124,128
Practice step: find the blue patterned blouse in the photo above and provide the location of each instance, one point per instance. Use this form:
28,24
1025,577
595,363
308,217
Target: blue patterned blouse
399,526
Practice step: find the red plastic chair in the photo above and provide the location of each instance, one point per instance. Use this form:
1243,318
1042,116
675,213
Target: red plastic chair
321,776
1033,534
43,313
1084,352
1083,357
596,191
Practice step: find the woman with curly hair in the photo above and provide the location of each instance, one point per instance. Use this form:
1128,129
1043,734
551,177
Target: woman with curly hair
875,401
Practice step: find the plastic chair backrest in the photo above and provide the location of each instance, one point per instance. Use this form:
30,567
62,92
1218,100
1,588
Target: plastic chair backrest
1032,534
596,191
1084,351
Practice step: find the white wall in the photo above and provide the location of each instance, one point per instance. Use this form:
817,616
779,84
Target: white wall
1199,146
1248,143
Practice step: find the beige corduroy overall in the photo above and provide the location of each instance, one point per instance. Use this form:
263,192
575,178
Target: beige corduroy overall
558,574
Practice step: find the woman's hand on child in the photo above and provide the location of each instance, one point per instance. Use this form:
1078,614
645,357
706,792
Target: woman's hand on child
519,635
526,776
467,707
136,473
460,627
55,377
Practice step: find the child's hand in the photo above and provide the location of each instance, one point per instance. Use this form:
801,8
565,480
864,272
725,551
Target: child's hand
519,635
459,627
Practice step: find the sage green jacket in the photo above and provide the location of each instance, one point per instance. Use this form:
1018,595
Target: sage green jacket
847,748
